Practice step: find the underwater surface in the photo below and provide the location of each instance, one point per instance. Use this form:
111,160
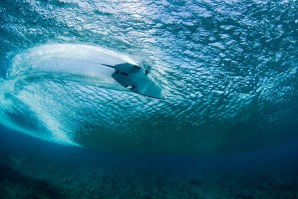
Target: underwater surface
225,126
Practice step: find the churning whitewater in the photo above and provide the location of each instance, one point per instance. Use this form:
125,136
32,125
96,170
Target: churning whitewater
84,65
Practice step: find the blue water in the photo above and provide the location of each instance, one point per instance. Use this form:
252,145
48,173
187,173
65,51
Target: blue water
227,127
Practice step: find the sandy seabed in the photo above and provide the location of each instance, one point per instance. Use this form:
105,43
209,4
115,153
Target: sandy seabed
25,175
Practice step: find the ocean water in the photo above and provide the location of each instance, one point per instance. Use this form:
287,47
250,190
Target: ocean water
226,127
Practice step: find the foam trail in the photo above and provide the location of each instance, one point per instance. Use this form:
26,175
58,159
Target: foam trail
27,101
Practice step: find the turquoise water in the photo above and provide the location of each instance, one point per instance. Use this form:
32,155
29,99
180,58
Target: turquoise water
228,70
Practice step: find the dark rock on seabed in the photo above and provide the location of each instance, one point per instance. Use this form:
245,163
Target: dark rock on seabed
14,185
